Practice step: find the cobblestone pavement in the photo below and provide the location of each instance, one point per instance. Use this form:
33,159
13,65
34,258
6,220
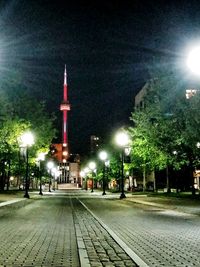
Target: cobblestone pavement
160,237
56,231
38,234
101,249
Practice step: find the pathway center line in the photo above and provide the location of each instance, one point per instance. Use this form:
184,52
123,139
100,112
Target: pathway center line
121,243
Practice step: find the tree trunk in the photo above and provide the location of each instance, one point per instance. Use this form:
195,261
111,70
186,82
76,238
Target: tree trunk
144,179
154,181
167,179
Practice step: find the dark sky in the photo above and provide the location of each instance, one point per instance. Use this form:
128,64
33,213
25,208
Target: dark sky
108,48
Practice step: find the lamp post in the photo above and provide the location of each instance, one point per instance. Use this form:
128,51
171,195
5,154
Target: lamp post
41,157
82,175
92,166
50,166
122,140
86,170
56,174
103,156
27,140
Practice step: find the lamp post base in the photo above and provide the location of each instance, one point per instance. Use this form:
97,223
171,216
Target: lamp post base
26,195
122,196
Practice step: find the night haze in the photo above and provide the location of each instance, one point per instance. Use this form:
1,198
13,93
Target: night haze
109,49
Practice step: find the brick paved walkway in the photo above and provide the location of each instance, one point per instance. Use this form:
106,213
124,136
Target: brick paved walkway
56,231
159,236
39,234
101,248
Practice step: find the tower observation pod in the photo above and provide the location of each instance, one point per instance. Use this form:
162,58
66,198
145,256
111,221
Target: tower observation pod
65,107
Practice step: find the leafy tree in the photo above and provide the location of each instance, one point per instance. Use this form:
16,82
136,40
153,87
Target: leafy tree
165,132
20,112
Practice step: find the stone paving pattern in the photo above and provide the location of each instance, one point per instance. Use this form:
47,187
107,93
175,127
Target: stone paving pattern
39,234
43,233
102,250
160,237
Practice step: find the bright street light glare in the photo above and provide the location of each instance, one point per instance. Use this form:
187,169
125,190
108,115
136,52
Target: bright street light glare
122,139
103,155
193,60
92,165
50,165
41,156
27,139
82,173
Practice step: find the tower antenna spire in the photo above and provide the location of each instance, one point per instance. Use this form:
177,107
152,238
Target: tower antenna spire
65,107
65,76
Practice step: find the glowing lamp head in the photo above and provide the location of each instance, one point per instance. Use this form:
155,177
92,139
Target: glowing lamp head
65,153
27,139
82,173
193,60
103,155
122,139
92,165
41,156
50,165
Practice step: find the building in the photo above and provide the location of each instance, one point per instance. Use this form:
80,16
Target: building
140,96
95,143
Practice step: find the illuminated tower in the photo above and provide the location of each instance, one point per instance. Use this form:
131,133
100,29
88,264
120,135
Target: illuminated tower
68,164
65,107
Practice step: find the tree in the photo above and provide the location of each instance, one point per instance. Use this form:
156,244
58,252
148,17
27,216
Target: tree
164,126
22,113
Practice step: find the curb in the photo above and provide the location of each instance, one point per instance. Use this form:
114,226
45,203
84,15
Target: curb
83,255
120,242
14,203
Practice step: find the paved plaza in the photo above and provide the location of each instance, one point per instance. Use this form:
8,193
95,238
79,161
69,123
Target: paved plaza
56,230
77,228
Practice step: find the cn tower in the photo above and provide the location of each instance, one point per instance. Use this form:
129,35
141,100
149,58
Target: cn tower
65,107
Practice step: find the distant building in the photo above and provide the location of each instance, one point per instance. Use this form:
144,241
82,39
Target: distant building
95,143
140,97
190,93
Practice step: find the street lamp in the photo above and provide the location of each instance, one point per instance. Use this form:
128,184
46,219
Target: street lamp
193,60
86,170
50,166
92,166
122,140
41,157
103,156
56,174
27,140
82,175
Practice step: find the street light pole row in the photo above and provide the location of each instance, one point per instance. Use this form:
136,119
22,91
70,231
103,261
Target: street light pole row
122,140
26,140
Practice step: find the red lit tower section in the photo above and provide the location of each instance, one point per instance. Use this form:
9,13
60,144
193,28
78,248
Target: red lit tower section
65,107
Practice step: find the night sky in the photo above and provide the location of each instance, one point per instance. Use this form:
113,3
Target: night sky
109,48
